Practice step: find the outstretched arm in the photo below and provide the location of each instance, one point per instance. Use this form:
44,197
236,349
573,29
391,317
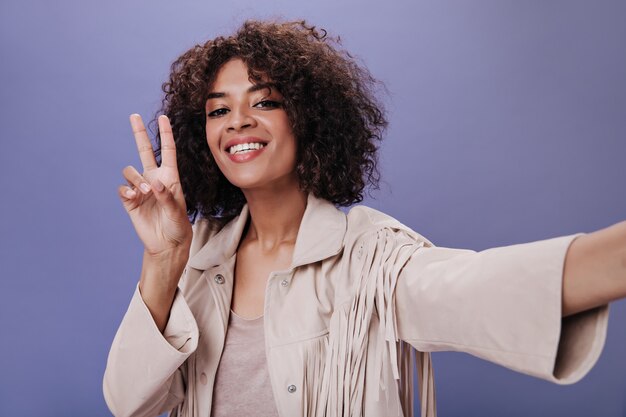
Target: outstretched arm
595,269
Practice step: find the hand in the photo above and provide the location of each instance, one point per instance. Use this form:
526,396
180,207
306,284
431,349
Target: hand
154,200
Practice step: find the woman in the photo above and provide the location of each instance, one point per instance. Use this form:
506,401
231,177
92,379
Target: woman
275,302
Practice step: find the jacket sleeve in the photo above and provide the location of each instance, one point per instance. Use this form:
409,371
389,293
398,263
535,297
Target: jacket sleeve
502,305
142,377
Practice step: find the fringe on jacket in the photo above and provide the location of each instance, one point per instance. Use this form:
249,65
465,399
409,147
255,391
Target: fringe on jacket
335,365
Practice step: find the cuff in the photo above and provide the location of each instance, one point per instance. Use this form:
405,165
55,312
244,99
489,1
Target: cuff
580,345
181,330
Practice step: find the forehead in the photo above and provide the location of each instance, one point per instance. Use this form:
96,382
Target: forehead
233,75
232,72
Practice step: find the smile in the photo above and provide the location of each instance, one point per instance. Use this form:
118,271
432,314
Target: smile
245,147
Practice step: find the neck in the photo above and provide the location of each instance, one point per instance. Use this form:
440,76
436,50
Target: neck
275,215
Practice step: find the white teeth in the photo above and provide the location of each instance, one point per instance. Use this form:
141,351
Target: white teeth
245,147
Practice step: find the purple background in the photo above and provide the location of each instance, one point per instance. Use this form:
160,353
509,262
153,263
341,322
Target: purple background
508,124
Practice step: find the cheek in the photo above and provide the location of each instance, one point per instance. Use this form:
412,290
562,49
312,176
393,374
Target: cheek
287,132
214,149
290,157
211,139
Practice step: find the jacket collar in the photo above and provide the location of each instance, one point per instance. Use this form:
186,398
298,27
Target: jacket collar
320,236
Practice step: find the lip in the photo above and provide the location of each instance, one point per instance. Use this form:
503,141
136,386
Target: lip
248,156
244,157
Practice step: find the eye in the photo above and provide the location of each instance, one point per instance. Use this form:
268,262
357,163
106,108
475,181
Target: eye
268,104
217,112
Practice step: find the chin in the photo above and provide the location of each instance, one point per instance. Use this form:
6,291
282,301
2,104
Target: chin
250,182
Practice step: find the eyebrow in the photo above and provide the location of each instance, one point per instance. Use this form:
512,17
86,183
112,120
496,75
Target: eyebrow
255,87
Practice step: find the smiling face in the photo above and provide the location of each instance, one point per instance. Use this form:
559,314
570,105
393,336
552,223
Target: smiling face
248,131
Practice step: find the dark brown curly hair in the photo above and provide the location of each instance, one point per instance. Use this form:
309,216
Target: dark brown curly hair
329,98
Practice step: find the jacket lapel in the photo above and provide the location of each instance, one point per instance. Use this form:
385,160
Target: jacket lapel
320,236
321,233
222,246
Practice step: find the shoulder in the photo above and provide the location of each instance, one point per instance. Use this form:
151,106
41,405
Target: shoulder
376,247
367,224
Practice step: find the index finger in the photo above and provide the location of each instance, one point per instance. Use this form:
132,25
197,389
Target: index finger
146,153
168,147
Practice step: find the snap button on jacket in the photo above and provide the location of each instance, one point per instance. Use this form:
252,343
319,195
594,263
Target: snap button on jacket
364,297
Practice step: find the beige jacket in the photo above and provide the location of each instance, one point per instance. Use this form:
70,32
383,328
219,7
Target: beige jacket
340,322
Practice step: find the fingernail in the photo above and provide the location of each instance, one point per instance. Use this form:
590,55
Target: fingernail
159,185
129,193
144,187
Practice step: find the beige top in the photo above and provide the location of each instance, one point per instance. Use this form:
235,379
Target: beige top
341,325
242,383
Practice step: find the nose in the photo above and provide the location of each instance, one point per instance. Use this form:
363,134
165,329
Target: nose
240,119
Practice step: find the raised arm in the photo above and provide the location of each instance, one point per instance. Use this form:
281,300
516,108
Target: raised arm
158,333
595,269
155,203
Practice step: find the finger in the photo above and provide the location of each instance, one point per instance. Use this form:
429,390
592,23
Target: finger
167,200
131,198
146,153
168,147
135,179
126,193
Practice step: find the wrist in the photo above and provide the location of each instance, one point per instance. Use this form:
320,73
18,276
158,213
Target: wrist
159,281
161,272
175,256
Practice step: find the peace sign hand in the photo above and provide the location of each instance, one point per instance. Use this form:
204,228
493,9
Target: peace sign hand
154,200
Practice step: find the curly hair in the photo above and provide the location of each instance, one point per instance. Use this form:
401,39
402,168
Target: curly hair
329,99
